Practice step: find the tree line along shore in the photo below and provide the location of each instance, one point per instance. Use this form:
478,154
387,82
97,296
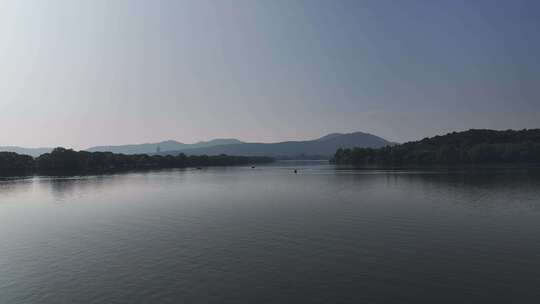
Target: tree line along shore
468,147
62,160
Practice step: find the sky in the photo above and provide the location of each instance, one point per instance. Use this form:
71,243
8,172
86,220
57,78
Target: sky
84,73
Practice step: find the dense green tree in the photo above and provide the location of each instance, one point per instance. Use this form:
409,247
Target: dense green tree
473,146
11,162
62,160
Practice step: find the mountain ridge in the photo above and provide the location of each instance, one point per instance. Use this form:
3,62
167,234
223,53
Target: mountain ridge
167,145
321,147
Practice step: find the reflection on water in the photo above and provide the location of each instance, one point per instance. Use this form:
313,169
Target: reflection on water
267,235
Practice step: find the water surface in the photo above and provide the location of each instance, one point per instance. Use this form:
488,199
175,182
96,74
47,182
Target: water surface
267,235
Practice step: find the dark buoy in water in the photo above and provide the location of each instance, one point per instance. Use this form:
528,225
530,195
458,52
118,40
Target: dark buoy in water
295,171
199,168
252,167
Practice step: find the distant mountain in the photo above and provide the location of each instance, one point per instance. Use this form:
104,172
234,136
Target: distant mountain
169,145
25,151
215,142
325,147
330,136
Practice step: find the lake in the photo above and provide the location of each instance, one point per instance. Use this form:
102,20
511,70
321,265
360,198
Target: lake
267,235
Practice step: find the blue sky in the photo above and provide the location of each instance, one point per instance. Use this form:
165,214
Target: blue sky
83,73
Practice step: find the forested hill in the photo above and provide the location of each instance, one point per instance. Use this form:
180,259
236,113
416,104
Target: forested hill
468,147
68,161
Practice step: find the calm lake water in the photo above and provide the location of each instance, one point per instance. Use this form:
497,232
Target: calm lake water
267,235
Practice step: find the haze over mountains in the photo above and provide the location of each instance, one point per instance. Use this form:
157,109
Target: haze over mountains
168,145
325,146
146,148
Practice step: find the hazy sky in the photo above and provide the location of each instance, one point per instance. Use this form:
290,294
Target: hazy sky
83,73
